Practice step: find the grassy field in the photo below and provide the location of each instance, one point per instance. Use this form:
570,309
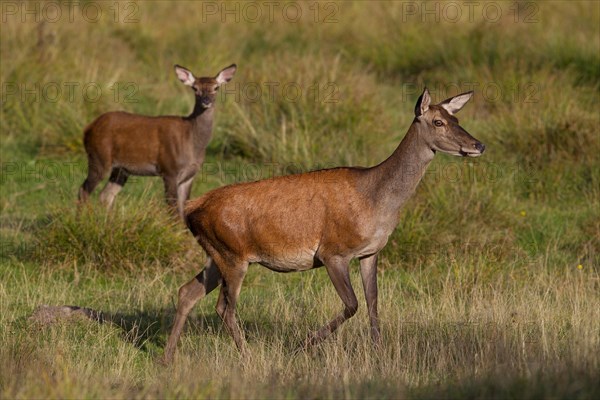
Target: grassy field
489,287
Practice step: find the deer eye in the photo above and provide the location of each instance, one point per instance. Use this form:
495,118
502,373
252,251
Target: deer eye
438,122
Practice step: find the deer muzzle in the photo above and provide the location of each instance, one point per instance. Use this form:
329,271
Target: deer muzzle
477,150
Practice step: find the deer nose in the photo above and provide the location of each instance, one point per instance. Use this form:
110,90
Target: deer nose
480,147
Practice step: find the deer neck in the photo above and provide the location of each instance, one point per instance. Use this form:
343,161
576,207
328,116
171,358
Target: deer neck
396,179
201,120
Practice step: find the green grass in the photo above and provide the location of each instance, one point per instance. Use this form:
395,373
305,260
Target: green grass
489,287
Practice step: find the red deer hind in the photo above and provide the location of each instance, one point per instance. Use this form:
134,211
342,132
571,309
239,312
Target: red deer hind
172,147
321,218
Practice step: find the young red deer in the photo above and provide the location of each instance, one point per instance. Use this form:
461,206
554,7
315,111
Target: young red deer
171,147
326,217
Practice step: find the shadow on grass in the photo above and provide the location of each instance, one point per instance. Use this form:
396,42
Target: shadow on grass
148,330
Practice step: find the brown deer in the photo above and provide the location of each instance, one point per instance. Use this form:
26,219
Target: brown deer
326,217
168,146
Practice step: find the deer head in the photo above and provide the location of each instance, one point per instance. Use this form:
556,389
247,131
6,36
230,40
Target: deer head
440,129
205,88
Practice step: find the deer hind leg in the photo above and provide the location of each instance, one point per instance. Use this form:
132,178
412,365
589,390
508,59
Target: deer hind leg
233,276
221,303
339,273
189,294
97,170
118,178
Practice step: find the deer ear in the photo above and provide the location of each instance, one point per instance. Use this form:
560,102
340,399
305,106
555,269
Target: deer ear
226,74
185,75
423,103
456,103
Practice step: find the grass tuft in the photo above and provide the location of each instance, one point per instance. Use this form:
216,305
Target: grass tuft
120,240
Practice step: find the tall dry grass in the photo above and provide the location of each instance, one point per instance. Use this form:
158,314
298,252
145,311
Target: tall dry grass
489,285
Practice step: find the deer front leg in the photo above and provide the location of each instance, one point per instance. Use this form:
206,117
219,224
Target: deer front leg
368,272
183,194
338,270
171,192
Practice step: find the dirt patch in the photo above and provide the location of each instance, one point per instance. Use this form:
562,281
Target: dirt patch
47,315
